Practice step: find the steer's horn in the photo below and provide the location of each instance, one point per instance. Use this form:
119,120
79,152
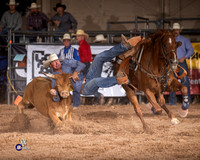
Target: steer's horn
49,75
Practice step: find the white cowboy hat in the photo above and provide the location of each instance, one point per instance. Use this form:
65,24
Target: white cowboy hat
34,5
177,26
65,36
52,57
99,38
12,2
81,32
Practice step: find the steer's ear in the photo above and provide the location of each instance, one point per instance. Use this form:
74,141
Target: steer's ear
49,75
178,44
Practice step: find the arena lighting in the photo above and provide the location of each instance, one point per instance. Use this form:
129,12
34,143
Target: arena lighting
10,41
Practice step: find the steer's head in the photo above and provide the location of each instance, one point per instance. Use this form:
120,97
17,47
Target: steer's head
63,83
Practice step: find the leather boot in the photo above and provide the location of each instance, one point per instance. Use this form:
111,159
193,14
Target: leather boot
122,78
125,42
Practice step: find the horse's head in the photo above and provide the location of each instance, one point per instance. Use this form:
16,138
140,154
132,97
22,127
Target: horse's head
168,47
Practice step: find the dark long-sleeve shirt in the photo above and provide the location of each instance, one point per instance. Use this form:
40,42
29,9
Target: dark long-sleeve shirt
67,21
38,21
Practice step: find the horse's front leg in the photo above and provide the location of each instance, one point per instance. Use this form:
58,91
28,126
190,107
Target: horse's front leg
175,85
133,98
152,99
162,103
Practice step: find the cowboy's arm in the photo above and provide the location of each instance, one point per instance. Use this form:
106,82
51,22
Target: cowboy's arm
79,67
19,23
53,91
189,48
74,22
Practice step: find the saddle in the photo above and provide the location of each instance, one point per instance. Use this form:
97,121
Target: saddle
129,58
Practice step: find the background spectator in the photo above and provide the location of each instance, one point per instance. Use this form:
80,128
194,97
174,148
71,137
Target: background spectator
100,39
68,52
183,52
63,20
84,49
36,21
11,20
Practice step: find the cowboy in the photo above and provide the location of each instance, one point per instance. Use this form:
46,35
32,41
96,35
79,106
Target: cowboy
11,20
84,49
93,81
183,52
99,38
68,52
67,66
64,20
36,21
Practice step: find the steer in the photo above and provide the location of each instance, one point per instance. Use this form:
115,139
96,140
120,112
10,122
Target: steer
37,94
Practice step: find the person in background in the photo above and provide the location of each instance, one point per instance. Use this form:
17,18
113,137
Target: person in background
99,38
11,20
183,52
84,49
68,52
36,21
64,20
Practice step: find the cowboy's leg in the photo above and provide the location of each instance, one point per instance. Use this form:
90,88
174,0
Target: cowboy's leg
185,81
91,88
76,91
105,56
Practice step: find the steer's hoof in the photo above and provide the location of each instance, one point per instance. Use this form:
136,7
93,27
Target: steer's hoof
175,121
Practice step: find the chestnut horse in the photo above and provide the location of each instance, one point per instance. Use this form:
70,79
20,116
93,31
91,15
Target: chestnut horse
154,74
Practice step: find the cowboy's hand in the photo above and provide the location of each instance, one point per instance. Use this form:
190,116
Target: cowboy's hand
182,60
53,92
57,22
75,76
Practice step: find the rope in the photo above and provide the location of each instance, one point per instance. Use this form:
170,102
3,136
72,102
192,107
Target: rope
11,83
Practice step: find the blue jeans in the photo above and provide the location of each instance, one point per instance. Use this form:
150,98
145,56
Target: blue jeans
94,81
185,81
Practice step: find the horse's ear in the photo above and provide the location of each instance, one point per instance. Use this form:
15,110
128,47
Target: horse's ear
178,44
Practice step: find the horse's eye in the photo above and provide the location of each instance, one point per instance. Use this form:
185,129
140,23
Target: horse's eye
164,45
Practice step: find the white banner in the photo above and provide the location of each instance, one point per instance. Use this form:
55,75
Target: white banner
37,54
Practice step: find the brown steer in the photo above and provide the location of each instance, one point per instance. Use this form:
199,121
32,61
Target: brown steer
37,94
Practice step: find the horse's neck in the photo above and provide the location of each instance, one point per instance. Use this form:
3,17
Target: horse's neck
151,53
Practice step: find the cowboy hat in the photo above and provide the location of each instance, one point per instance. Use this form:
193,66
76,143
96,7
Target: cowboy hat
81,32
34,5
65,36
59,5
176,26
99,38
12,2
52,57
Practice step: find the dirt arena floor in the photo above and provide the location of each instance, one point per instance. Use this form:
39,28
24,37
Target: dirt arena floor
100,132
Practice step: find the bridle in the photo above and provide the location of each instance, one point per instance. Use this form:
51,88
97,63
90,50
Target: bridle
160,79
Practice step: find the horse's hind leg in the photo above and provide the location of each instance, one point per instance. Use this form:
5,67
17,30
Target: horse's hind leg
152,99
133,98
162,103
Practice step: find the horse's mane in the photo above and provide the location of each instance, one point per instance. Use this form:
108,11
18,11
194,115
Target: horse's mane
158,34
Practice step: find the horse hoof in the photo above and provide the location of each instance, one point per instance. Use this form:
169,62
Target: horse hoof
175,121
156,112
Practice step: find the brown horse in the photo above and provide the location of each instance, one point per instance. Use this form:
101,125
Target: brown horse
154,74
